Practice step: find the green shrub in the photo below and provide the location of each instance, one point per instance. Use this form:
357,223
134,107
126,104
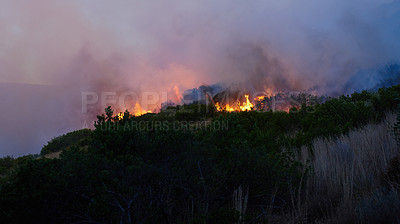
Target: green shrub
78,138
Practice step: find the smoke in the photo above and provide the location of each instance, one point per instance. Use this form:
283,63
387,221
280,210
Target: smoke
373,79
56,50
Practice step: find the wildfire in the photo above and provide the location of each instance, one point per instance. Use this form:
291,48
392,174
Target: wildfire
177,93
238,107
137,111
259,98
246,105
120,115
218,107
230,109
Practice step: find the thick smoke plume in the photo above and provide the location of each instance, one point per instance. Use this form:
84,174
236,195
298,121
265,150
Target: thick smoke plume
53,51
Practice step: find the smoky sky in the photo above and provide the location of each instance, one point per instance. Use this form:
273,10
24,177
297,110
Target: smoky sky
52,51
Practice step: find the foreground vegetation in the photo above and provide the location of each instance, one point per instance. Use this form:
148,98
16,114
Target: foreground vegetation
331,162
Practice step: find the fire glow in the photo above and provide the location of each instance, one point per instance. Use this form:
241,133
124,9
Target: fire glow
233,101
246,106
281,101
137,112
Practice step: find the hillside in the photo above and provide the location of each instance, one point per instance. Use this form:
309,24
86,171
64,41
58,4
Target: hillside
333,162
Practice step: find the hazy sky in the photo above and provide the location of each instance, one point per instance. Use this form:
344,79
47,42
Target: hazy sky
65,48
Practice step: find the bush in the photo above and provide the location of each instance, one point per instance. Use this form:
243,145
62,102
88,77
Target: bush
119,173
78,138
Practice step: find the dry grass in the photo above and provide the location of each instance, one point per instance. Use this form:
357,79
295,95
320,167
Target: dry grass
240,198
347,173
53,155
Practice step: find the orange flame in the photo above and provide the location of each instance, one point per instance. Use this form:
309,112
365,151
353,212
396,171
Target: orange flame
177,93
230,109
246,106
218,107
120,115
260,98
138,111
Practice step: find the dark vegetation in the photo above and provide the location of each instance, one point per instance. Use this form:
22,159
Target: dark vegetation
187,164
79,138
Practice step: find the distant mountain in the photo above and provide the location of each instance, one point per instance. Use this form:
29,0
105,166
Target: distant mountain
374,79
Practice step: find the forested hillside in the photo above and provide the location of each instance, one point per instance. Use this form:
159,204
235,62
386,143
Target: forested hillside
193,164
